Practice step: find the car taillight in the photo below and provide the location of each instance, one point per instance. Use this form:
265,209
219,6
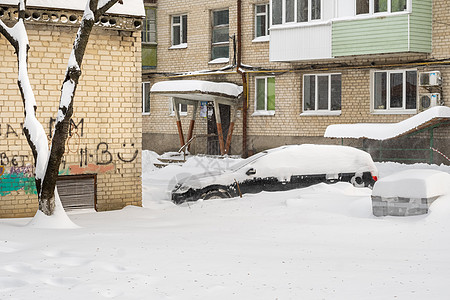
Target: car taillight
375,178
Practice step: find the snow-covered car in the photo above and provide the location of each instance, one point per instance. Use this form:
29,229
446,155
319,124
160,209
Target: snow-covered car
283,168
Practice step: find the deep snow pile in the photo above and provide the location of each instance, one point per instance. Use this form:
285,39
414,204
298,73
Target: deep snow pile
320,242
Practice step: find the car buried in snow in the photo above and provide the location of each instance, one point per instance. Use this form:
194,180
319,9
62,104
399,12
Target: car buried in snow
279,169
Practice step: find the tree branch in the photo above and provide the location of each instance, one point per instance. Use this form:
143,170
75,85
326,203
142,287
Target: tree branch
101,10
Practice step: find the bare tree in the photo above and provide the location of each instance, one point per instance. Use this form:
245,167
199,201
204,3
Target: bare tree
47,161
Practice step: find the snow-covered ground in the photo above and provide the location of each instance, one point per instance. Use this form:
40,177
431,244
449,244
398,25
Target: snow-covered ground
320,242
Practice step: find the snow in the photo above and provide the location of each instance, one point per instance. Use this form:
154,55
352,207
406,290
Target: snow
129,7
384,131
320,242
413,183
199,86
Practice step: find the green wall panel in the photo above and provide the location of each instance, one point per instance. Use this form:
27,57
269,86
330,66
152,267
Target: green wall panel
149,56
388,34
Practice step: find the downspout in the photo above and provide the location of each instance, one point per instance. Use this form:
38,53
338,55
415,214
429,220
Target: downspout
244,79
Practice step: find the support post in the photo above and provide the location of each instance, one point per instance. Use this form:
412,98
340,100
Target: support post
431,145
175,104
230,129
219,127
192,123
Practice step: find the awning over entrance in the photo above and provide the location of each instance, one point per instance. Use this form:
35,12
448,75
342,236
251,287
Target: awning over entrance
199,90
385,131
191,92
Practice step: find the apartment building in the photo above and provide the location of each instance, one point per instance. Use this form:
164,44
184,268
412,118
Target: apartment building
303,65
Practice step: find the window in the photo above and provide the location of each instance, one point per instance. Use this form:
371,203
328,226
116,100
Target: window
179,30
182,108
380,6
394,90
261,20
146,97
322,93
290,11
149,28
265,94
220,34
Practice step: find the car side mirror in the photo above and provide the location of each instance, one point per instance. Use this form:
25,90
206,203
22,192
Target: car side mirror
250,171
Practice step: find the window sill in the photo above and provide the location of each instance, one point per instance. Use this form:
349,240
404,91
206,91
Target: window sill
146,114
260,113
395,112
321,113
180,46
261,39
182,114
222,60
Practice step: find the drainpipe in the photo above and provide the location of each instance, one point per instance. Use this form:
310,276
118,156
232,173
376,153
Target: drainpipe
244,79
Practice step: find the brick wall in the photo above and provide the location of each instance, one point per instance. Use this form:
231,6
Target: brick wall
106,130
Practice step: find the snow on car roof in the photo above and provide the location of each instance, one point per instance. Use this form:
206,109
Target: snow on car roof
314,159
413,183
129,7
384,131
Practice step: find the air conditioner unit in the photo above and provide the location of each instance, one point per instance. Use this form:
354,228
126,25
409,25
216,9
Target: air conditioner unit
429,100
430,78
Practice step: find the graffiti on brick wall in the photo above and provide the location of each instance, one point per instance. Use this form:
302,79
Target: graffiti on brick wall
17,173
16,179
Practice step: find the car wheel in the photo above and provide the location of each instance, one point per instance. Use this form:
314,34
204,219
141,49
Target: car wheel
216,194
357,180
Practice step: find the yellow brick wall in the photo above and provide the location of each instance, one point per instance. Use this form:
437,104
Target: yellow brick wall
107,110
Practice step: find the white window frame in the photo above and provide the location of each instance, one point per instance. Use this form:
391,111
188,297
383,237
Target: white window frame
389,8
172,110
182,31
144,84
388,109
283,13
265,111
317,111
266,15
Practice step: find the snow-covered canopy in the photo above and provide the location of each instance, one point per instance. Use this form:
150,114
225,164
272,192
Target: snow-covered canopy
129,7
385,131
198,90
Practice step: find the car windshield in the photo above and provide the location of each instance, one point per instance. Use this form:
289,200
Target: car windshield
246,161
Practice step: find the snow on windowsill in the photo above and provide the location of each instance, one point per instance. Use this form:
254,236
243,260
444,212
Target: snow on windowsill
221,60
395,112
180,46
261,39
182,114
259,113
321,113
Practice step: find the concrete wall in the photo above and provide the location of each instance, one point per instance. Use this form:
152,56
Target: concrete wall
106,131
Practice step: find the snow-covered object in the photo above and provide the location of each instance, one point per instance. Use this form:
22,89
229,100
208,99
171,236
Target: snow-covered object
413,183
384,131
285,161
309,159
129,7
198,86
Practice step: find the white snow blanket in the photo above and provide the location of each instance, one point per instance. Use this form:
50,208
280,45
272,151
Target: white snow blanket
198,86
413,183
384,131
129,7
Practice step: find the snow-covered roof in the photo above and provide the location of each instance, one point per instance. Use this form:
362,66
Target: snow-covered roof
385,131
129,7
197,89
